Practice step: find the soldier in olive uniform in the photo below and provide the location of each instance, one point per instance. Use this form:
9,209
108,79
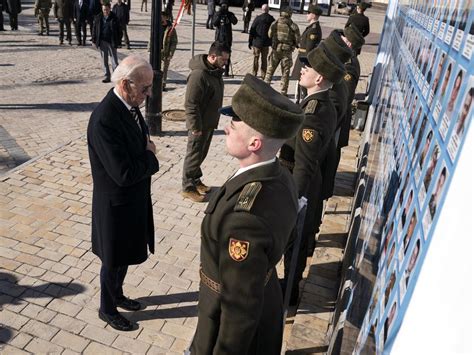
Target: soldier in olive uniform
304,153
246,228
170,41
310,39
353,38
42,9
359,20
285,36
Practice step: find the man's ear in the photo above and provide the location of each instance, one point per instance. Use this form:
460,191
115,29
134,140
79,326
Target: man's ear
319,79
255,144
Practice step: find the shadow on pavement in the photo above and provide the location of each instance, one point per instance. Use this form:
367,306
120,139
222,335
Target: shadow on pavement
75,107
14,294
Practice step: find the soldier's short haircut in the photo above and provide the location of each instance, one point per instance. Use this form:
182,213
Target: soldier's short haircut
131,67
217,48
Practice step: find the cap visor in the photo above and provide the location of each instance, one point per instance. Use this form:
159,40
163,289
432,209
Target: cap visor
305,61
228,111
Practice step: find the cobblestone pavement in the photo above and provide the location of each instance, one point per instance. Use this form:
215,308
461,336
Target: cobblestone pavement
48,276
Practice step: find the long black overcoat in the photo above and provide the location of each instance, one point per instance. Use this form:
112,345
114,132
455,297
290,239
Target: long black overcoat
122,217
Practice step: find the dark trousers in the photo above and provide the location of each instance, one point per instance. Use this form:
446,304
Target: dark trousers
123,34
196,152
81,32
227,67
209,24
65,22
1,21
14,22
111,281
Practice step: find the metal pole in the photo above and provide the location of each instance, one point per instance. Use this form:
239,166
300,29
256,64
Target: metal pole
153,102
194,28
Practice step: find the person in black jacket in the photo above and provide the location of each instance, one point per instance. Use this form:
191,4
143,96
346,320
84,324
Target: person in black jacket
105,37
63,13
80,14
122,11
223,22
259,41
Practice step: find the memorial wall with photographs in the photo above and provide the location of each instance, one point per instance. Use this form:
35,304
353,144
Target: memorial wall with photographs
419,116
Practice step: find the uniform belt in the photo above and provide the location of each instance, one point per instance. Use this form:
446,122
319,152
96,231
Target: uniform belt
302,50
216,287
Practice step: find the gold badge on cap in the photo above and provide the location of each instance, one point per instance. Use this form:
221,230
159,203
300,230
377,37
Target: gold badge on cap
312,37
308,135
238,249
348,77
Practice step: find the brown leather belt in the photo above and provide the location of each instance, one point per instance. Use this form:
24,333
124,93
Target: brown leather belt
216,287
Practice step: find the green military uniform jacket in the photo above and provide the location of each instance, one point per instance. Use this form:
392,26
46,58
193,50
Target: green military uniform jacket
170,42
351,78
361,22
309,40
285,35
43,7
244,233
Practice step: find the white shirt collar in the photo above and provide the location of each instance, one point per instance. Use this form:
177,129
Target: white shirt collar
253,166
121,99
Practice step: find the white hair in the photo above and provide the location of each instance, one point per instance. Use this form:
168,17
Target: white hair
265,8
130,68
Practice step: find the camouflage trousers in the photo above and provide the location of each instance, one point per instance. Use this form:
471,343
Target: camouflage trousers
166,63
43,20
277,57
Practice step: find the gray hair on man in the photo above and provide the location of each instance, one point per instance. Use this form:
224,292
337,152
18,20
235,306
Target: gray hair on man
265,8
131,68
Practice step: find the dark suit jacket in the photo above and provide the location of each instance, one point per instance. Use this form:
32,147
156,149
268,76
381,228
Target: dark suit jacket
245,317
81,13
122,218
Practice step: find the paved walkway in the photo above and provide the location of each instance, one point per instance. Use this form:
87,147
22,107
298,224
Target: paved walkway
48,276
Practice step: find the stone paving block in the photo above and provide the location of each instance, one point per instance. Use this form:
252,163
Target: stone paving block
155,350
6,349
70,341
20,340
133,346
38,313
40,346
90,316
67,323
179,345
10,265
177,331
95,348
64,307
39,329
98,334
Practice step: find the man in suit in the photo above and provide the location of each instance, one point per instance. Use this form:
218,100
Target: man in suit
246,228
304,153
122,159
81,13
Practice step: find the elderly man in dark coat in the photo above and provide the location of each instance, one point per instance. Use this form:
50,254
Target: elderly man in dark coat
122,161
246,228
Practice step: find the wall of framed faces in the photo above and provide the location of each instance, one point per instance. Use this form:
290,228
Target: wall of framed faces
420,115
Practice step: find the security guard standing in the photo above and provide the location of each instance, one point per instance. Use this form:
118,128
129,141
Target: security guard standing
304,153
42,9
285,36
310,39
246,228
169,43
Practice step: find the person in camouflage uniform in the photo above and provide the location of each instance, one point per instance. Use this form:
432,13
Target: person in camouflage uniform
42,9
169,43
285,36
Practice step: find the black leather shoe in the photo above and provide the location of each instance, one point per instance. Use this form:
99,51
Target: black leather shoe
117,321
128,304
106,80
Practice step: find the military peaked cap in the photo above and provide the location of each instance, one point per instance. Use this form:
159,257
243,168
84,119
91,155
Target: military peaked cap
313,9
354,36
325,63
264,109
336,45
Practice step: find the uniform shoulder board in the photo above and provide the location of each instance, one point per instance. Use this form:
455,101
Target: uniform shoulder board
247,196
311,106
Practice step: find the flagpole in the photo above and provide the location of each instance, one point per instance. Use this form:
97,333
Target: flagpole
194,28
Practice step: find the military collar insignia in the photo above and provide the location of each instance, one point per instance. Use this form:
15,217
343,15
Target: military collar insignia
238,249
308,135
247,196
